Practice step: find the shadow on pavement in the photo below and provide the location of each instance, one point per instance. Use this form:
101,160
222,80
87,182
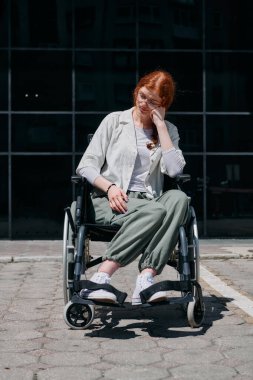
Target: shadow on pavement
167,321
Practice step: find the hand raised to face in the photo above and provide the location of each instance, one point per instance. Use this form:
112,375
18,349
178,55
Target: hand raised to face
157,115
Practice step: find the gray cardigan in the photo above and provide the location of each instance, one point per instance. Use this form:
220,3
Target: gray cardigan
113,150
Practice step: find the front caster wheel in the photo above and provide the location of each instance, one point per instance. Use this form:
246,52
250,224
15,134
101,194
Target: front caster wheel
195,312
78,316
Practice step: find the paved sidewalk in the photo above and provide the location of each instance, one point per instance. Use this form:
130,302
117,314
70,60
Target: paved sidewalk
44,250
129,343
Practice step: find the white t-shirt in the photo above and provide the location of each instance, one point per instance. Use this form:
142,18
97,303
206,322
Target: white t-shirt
142,162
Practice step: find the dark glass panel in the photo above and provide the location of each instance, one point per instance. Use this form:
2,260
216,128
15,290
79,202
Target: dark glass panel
104,81
229,196
229,133
170,24
4,198
86,124
42,133
3,133
186,69
229,81
3,80
41,190
4,23
41,80
41,23
190,129
229,24
105,24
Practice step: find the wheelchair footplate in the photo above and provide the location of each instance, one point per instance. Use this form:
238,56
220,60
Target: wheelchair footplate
89,285
184,287
79,312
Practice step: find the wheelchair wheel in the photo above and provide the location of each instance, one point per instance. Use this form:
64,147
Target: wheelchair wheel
196,309
68,256
78,316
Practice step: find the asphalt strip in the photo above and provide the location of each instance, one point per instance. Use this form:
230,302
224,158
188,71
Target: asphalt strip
226,291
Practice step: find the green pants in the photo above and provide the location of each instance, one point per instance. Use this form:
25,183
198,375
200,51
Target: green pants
149,228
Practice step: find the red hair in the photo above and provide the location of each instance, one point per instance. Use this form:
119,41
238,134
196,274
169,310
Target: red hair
161,82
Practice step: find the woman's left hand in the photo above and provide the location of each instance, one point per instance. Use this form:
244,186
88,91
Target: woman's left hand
157,115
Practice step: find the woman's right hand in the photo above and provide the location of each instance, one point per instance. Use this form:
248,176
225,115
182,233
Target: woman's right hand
117,199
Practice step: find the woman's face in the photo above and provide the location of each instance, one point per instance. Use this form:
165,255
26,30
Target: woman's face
147,100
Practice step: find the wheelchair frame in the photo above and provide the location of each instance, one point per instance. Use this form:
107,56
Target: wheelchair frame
78,231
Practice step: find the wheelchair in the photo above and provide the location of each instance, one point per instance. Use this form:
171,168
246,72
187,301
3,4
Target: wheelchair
79,230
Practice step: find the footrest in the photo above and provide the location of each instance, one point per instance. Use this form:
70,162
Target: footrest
182,286
85,284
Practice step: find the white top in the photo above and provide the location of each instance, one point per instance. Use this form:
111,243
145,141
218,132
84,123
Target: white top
142,161
112,153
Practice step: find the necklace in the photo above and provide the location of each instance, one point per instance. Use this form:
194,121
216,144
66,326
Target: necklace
138,124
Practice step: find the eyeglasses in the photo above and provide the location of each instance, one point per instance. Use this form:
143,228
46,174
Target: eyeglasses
152,104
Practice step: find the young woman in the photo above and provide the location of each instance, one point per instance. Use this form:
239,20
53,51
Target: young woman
126,161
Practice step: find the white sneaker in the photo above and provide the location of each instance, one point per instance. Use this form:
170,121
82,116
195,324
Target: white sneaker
143,282
99,295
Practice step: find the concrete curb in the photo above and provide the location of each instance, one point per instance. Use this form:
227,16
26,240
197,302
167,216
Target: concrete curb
19,259
31,258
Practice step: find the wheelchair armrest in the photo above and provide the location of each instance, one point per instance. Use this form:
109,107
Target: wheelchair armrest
78,179
182,178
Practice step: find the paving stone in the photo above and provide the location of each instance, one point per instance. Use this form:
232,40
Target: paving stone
131,358
19,335
184,342
246,369
18,346
12,360
25,316
75,345
138,373
193,356
16,374
69,359
139,344
70,373
229,330
240,352
226,342
203,371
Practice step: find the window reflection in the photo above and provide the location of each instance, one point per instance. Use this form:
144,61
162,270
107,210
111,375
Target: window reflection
229,196
229,133
38,133
166,24
104,81
3,133
105,24
4,197
50,48
43,184
86,124
229,81
3,81
41,80
229,24
41,23
190,130
3,23
187,71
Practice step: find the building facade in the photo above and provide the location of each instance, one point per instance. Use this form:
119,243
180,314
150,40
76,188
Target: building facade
65,64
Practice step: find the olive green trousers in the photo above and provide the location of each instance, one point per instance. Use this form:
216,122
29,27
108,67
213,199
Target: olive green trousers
149,228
